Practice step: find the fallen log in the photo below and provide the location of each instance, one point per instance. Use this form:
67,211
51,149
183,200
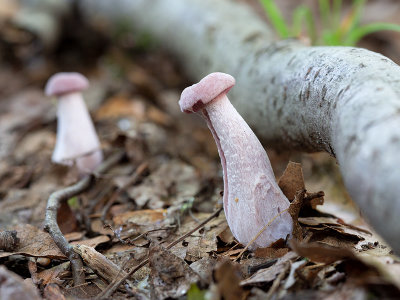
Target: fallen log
342,100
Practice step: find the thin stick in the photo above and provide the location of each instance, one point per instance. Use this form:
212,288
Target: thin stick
259,233
54,202
107,293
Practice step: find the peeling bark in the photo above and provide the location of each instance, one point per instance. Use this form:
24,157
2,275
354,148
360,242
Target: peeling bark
342,100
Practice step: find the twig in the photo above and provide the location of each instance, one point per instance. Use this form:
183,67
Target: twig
51,225
259,233
107,293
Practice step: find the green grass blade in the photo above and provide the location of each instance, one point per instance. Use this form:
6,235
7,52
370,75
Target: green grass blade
303,15
336,13
324,11
358,33
357,9
275,18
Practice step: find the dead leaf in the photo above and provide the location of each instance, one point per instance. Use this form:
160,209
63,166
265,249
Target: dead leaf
271,273
175,182
140,217
226,236
35,242
66,218
204,267
271,252
54,274
321,253
170,276
121,106
73,236
13,287
93,242
292,180
227,280
294,210
204,241
158,116
52,292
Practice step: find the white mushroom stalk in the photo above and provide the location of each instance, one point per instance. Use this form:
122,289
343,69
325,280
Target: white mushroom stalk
252,198
77,141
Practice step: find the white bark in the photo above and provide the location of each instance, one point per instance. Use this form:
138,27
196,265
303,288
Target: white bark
345,101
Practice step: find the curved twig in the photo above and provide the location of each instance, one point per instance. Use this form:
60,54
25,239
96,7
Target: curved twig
53,203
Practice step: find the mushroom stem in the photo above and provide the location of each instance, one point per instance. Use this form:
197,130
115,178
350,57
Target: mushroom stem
75,127
251,195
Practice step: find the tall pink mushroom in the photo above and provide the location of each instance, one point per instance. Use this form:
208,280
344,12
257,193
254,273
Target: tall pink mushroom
77,141
252,197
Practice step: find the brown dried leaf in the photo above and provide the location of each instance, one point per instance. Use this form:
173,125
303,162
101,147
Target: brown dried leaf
52,292
93,242
171,183
66,218
53,274
227,279
204,267
121,106
73,236
271,252
336,228
226,236
170,276
204,241
35,242
158,116
321,253
271,273
140,217
292,180
294,210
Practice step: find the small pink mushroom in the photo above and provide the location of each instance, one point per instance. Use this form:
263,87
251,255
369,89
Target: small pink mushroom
77,141
252,197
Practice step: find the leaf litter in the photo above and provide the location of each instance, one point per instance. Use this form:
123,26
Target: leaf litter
179,187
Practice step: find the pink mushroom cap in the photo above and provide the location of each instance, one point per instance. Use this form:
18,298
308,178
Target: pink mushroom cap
195,97
66,82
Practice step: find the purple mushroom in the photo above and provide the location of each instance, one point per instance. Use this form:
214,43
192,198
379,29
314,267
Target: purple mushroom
77,141
252,197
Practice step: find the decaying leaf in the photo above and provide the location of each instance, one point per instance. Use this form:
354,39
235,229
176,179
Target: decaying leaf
292,180
174,180
53,292
170,276
270,274
93,242
54,274
227,280
35,242
13,287
203,241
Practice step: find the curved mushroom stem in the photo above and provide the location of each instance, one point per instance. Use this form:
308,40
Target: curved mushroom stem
252,197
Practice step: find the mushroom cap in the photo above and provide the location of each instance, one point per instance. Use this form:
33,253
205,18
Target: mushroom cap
195,97
66,82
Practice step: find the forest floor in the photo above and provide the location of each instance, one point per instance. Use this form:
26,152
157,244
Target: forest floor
168,182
